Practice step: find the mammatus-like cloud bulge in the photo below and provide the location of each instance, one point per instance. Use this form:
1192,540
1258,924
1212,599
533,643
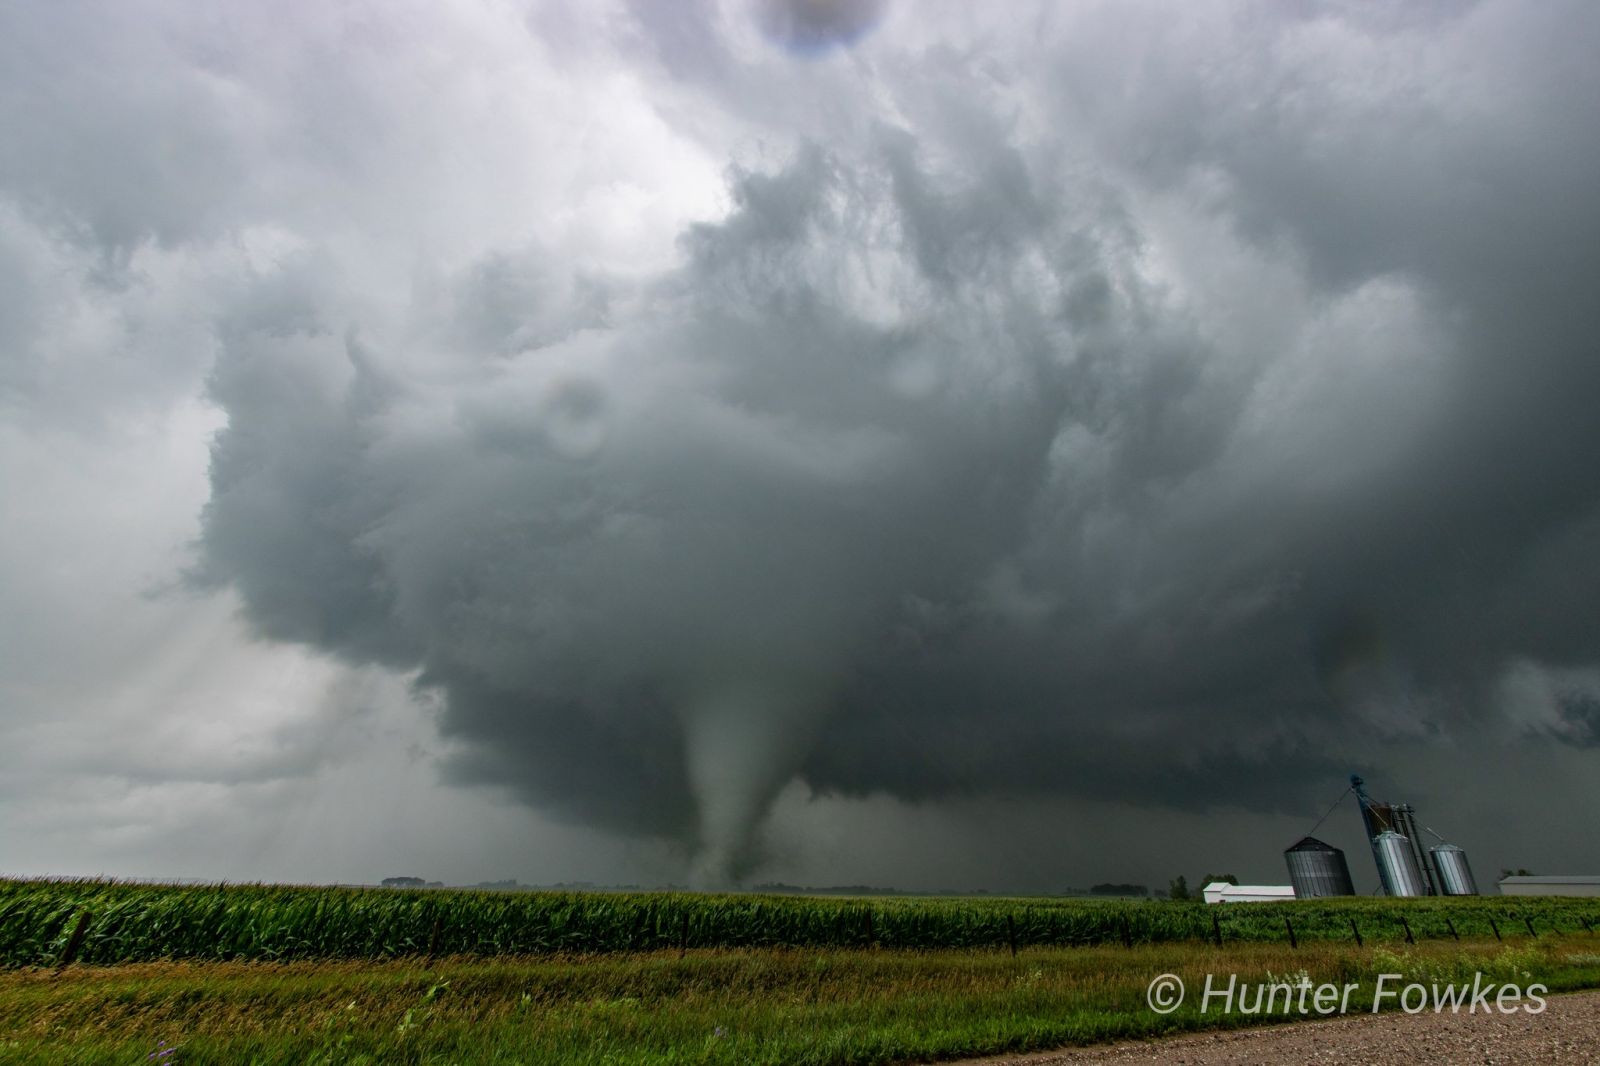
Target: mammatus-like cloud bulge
809,27
942,467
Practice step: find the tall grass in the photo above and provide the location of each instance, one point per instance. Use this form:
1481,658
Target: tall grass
135,922
751,1007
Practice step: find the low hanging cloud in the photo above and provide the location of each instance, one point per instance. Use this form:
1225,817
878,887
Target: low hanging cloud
814,26
1097,405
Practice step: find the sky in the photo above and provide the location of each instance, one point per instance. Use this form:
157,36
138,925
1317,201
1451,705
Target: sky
884,442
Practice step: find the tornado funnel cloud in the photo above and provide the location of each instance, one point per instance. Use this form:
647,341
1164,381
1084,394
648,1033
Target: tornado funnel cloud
742,744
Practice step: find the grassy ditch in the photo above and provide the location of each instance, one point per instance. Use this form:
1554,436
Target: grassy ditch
744,1006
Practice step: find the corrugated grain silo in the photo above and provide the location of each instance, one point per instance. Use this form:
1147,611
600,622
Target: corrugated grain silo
1318,869
1397,865
1455,876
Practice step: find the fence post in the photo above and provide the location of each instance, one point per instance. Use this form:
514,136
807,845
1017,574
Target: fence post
75,941
1290,926
683,935
1529,923
1011,934
1407,927
1216,928
1495,926
1357,932
1452,927
433,938
1127,934
871,936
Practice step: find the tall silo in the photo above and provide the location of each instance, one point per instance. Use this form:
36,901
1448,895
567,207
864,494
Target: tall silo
1455,876
1397,865
1405,823
1318,869
1376,818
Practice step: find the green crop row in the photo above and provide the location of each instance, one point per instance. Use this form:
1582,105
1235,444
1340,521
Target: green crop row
122,922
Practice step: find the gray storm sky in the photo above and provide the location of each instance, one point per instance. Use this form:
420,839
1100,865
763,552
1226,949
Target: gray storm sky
927,444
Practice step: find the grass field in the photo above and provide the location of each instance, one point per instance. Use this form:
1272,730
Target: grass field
746,1006
301,975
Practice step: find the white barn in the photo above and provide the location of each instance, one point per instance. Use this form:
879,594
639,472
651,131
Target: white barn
1222,892
1559,885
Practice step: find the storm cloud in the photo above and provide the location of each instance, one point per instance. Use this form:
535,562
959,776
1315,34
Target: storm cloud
1092,404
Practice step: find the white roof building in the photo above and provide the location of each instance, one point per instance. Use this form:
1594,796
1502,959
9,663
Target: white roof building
1558,885
1222,892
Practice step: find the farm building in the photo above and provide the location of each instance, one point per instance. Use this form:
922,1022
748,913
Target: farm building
1560,885
1222,892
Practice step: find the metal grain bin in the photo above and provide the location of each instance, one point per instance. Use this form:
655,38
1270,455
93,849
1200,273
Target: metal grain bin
1318,869
1455,876
1397,865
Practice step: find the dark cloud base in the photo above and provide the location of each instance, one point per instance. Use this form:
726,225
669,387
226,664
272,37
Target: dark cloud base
1177,412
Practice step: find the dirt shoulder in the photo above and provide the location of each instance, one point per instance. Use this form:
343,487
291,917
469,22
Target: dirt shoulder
1567,1032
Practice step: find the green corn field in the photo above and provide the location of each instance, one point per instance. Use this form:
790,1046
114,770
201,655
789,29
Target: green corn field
122,922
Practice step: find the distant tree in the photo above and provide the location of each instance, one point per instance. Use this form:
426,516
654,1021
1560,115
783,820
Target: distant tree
1178,888
403,882
1119,890
1211,879
1504,873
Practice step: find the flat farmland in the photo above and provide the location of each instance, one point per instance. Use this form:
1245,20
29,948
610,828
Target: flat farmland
116,922
274,975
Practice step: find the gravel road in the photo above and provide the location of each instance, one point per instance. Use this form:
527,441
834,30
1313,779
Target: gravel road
1567,1032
